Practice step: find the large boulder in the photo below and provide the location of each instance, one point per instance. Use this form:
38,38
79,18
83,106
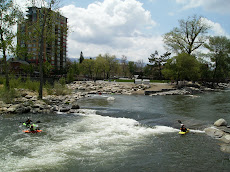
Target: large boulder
13,108
225,138
64,109
220,122
23,109
54,108
225,148
214,132
75,106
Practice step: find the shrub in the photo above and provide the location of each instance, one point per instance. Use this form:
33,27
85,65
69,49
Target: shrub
31,85
70,75
2,80
15,82
60,89
62,81
7,96
49,88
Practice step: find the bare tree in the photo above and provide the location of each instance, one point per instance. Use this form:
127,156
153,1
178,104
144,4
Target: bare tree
42,27
188,37
124,65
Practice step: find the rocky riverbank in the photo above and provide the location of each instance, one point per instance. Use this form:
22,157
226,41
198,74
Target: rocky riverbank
28,102
221,131
108,87
187,89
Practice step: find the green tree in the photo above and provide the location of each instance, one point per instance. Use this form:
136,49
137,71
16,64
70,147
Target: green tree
148,71
76,68
182,67
205,71
47,67
70,75
157,62
100,66
219,53
10,14
132,68
81,58
189,36
87,67
111,64
73,70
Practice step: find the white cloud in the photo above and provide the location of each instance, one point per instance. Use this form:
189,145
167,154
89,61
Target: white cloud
140,48
116,27
219,6
215,27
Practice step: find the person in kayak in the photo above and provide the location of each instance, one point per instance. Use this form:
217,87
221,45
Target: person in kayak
28,121
182,128
32,128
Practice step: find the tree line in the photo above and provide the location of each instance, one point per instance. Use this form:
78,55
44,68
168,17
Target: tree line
184,59
102,67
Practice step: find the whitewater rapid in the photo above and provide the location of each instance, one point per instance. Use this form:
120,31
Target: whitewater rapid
84,136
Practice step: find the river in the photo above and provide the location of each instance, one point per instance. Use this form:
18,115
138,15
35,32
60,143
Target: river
130,133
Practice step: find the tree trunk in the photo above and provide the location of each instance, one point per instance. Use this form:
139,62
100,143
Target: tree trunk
41,54
160,74
4,60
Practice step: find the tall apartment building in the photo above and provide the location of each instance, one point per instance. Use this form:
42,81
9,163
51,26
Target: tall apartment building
55,39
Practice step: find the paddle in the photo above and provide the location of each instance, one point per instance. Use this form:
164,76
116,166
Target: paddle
34,122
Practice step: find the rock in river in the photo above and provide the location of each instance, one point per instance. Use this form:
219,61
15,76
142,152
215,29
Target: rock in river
220,122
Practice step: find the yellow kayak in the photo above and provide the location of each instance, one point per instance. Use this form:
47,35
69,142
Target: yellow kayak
181,132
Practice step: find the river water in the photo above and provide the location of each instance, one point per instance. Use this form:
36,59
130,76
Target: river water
130,133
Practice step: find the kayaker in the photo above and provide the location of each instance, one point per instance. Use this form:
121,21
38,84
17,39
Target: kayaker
32,128
28,121
182,128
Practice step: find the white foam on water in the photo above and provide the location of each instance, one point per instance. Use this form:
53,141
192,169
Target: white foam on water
89,136
100,96
196,131
111,98
164,129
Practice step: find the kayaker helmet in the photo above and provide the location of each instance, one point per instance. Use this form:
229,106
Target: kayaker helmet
181,125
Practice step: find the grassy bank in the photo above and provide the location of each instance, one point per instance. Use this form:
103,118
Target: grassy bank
7,96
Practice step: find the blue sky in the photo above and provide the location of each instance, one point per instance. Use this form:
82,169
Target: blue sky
135,28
